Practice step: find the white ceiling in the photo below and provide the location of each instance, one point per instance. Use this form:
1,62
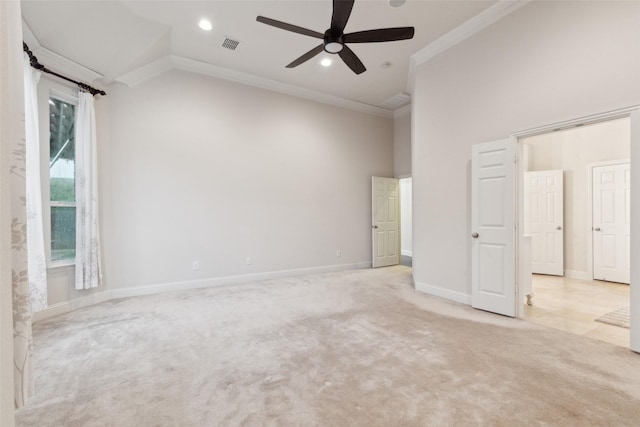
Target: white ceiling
115,37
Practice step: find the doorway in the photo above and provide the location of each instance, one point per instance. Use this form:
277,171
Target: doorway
406,224
392,227
572,300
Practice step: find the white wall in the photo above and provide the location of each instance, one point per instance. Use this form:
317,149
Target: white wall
406,225
572,150
402,146
545,63
205,170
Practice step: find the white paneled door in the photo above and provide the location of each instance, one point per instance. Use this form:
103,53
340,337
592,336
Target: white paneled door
493,272
385,227
611,223
544,220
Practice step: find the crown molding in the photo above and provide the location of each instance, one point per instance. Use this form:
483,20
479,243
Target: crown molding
469,28
168,62
28,36
65,66
402,111
56,62
275,86
146,72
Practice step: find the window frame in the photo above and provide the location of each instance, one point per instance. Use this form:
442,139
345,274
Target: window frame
53,93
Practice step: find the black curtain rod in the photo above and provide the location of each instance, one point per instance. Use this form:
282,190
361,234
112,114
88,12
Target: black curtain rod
38,66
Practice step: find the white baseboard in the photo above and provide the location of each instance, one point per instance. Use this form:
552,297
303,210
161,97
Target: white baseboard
52,310
231,280
575,274
98,297
67,306
407,253
444,293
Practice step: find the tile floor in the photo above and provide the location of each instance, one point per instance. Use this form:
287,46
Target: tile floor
573,305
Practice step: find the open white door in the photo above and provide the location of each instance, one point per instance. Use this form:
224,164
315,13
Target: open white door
385,202
493,256
544,220
611,223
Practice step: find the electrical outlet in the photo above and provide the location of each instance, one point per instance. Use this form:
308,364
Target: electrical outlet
196,266
338,253
249,260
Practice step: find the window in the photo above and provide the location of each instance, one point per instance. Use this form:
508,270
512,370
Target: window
62,170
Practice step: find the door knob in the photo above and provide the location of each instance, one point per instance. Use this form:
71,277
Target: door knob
558,228
596,229
475,235
374,226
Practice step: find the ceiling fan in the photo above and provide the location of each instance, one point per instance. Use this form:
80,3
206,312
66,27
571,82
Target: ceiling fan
334,39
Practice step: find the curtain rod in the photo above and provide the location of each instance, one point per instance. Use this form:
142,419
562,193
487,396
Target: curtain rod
38,66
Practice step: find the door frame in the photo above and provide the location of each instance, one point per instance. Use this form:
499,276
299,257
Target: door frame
400,211
590,168
633,113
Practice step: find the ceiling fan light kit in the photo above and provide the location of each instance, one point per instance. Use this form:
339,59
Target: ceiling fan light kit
334,39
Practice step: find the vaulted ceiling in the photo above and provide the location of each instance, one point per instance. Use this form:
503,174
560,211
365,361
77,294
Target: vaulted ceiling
117,39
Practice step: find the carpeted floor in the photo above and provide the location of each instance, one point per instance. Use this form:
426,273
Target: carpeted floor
357,348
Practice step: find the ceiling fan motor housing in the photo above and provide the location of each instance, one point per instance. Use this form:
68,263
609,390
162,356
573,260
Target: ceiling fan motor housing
333,42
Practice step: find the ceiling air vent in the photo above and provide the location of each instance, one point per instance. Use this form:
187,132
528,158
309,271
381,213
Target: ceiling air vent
396,101
230,43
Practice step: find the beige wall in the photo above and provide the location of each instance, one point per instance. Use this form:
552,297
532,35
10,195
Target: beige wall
402,146
572,151
200,169
545,63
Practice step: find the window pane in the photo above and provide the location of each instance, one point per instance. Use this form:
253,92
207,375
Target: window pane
62,150
63,233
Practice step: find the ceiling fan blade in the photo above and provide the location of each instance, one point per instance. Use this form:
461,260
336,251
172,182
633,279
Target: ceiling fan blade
307,56
290,27
352,60
380,35
341,12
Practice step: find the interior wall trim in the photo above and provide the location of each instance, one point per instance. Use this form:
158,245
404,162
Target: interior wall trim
580,121
469,28
58,63
444,293
231,280
75,304
98,297
146,72
140,75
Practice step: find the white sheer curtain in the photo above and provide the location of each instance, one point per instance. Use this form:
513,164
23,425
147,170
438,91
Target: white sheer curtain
12,181
88,273
35,230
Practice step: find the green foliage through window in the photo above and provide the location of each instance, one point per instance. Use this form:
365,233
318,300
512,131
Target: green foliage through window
62,179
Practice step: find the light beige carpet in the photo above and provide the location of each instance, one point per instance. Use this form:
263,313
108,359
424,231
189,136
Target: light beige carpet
358,348
619,317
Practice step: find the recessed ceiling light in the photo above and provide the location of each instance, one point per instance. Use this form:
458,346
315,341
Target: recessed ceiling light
325,62
396,3
205,24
